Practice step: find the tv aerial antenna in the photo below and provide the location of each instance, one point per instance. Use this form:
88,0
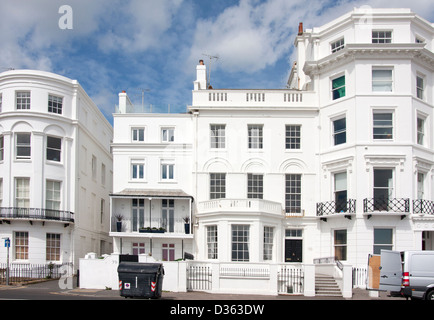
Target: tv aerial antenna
210,62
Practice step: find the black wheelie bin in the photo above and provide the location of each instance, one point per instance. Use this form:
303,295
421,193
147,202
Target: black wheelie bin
140,280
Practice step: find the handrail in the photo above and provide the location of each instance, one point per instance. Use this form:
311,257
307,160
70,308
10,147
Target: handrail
329,260
36,213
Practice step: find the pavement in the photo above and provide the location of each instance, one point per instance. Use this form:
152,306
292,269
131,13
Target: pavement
50,290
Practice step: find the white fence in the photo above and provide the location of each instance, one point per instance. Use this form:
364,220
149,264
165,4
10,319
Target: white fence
215,277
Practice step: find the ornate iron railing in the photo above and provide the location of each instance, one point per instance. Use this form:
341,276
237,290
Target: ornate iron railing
399,205
36,213
421,206
333,207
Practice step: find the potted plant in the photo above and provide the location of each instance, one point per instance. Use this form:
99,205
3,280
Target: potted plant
187,224
119,219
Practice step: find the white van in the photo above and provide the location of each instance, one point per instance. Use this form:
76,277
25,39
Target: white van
409,272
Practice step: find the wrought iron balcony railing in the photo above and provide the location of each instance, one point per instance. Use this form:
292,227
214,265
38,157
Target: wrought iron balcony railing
336,207
36,214
381,204
421,206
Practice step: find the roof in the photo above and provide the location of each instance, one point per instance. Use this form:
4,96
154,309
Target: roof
152,193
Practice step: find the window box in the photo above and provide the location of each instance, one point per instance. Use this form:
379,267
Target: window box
152,230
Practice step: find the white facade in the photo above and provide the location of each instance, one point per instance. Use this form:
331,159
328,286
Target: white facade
340,164
55,169
152,183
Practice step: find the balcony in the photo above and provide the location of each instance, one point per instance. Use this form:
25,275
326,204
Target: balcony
151,213
240,206
153,227
276,99
386,206
334,209
423,207
36,214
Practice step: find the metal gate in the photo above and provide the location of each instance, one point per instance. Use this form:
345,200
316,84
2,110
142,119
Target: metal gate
199,277
290,280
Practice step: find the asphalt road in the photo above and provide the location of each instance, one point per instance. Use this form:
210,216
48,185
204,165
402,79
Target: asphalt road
50,290
36,299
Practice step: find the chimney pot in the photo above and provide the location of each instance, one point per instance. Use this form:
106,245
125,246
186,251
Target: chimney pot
300,28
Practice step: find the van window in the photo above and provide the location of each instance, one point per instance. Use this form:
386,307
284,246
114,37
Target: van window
422,263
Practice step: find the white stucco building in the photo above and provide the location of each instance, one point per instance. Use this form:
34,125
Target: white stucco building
55,169
339,164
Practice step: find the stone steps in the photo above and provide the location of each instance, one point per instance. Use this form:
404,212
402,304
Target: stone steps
326,286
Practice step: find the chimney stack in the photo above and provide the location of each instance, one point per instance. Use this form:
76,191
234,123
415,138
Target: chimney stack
200,83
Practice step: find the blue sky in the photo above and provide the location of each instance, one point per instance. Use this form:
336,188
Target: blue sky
132,45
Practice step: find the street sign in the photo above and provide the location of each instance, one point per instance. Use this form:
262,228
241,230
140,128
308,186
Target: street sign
7,243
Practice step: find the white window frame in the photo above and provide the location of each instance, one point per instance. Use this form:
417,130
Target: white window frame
388,246
94,167
54,149
343,246
420,90
255,186
217,193
217,136
212,241
22,100
165,169
378,85
21,245
56,104
337,45
138,248
53,195
293,197
374,126
420,189
255,134
420,130
135,169
22,192
292,137
332,90
136,136
168,134
240,242
339,132
268,243
381,36
2,148
29,146
53,247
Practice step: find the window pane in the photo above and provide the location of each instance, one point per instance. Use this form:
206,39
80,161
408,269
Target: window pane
23,150
55,104
54,146
293,137
339,128
382,80
338,87
383,126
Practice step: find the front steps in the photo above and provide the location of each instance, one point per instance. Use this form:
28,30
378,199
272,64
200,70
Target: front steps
326,286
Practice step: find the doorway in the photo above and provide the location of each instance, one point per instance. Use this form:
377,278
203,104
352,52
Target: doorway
293,250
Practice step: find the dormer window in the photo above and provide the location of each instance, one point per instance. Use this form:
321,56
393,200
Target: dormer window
337,45
381,36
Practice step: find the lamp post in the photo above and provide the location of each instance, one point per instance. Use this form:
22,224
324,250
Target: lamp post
7,245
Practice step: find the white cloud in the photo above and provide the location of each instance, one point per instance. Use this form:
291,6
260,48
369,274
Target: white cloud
253,35
141,25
